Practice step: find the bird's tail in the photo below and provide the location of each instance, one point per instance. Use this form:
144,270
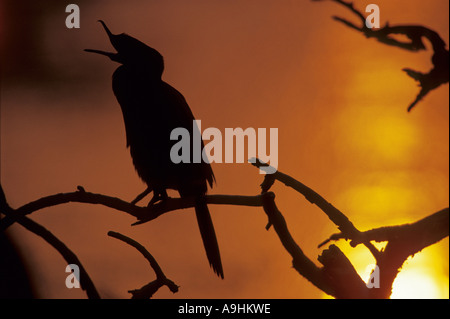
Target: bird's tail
208,234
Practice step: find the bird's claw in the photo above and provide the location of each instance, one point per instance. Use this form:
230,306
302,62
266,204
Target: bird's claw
158,197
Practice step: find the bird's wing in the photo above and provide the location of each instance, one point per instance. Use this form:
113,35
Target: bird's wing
182,116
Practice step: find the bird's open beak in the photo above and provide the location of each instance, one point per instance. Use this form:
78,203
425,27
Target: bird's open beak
110,55
110,35
113,56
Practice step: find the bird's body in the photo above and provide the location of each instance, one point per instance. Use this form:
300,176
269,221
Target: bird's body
151,109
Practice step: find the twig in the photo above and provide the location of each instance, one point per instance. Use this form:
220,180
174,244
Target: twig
138,198
147,291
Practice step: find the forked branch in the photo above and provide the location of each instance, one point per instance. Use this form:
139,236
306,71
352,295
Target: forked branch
337,277
415,35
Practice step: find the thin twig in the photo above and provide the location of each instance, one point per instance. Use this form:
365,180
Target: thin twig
138,198
147,291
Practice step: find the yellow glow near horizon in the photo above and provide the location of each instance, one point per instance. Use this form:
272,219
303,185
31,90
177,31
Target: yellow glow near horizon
419,278
415,284
422,276
381,146
375,125
377,135
376,202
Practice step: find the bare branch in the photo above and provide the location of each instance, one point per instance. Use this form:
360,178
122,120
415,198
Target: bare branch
340,272
301,262
85,281
172,204
404,241
428,82
337,277
335,215
147,291
80,196
143,214
414,33
69,256
416,236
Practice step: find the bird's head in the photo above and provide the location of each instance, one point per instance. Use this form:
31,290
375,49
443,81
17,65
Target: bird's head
132,52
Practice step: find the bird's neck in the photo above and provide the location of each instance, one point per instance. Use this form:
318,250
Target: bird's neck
143,72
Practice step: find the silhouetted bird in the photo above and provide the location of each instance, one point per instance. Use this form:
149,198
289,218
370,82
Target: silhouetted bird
151,109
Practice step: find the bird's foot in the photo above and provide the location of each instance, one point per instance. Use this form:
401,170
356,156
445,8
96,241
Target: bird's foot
159,196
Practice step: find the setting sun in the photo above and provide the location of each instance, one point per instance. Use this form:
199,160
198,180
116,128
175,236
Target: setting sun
423,277
417,285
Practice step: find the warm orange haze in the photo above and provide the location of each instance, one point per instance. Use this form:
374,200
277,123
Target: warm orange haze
339,102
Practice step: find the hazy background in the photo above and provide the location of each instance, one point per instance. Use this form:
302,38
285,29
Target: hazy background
338,100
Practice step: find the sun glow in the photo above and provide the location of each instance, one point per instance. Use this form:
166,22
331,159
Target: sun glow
377,134
415,284
421,277
386,172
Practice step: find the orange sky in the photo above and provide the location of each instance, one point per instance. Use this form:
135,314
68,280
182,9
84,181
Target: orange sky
338,100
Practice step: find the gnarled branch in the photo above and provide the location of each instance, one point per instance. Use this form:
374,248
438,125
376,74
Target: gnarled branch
336,270
415,34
